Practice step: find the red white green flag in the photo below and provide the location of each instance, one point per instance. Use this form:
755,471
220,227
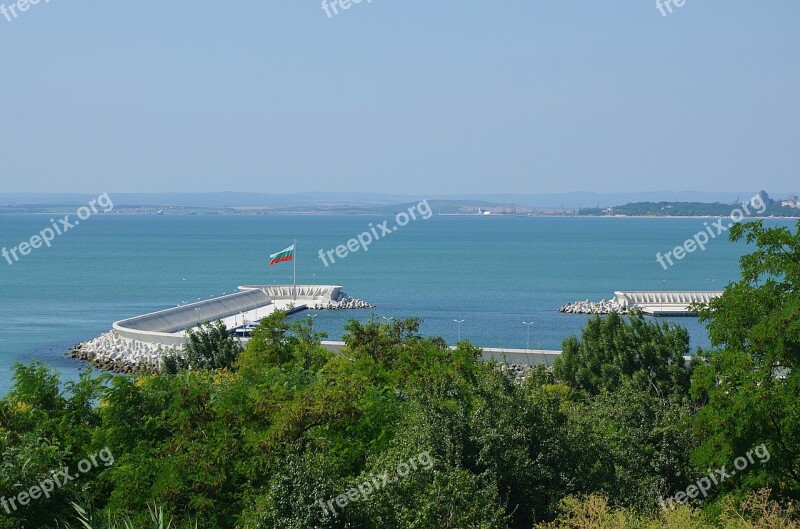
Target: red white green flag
282,256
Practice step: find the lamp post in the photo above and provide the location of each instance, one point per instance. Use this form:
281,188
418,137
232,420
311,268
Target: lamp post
528,325
459,322
196,309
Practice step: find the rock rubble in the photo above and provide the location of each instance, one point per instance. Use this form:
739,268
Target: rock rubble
344,302
588,307
112,352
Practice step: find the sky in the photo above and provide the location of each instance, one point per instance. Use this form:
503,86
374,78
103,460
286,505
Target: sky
400,96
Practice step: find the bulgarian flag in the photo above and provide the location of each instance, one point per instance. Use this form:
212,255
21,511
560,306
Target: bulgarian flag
283,255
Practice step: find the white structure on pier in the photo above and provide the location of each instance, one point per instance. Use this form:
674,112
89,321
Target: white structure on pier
665,303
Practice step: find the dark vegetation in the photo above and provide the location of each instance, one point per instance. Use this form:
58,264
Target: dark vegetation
766,208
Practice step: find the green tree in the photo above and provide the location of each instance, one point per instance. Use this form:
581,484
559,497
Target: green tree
648,441
612,350
209,347
44,428
277,341
751,380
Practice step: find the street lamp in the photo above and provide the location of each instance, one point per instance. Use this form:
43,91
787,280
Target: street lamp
528,325
459,322
196,310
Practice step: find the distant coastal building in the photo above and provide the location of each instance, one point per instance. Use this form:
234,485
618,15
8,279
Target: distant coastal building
791,202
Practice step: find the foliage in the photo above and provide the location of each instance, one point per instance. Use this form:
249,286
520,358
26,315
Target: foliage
751,380
695,209
755,511
209,347
42,430
612,350
648,440
87,521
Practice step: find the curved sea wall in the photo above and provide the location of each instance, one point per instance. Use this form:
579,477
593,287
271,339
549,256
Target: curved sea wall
139,343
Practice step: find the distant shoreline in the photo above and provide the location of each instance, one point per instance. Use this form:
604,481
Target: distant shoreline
370,213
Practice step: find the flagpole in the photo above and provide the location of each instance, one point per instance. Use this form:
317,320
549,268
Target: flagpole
294,267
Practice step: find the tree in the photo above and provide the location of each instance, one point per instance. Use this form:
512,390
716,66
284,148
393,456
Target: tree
278,342
209,347
612,350
44,428
751,380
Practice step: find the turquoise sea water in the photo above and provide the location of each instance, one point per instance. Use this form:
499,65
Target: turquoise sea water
493,272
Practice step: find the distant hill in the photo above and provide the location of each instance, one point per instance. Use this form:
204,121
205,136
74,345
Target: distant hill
770,208
347,200
183,205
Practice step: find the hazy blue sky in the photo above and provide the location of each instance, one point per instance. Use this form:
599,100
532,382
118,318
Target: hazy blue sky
400,96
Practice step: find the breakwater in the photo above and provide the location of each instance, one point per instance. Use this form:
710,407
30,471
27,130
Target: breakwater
589,307
116,353
112,352
140,343
677,303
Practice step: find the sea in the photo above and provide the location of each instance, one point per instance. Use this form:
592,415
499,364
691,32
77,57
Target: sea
492,272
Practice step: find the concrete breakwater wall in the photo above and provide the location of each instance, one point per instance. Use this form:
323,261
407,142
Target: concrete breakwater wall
139,344
166,327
